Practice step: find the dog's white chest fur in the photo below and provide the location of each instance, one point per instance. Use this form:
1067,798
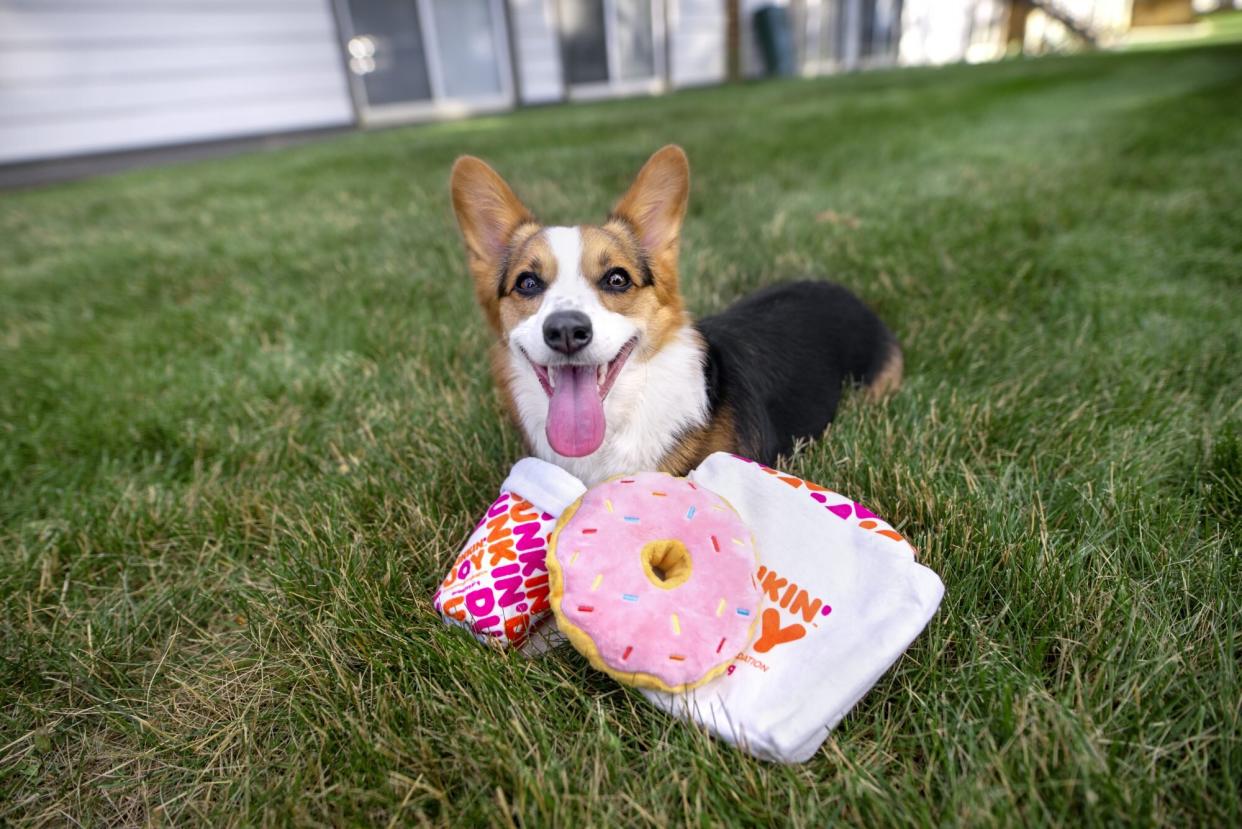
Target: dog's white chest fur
651,406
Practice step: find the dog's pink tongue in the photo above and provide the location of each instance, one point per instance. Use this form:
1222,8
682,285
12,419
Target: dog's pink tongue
575,413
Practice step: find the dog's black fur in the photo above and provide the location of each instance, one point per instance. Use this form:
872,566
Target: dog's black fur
777,361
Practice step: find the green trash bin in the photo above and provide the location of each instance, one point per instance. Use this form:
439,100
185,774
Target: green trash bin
775,37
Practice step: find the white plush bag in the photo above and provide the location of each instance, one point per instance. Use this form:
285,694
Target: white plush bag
843,599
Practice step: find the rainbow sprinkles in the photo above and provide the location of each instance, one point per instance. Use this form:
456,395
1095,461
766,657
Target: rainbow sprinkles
656,540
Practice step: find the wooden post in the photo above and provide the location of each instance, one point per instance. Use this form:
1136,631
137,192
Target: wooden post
1015,30
733,40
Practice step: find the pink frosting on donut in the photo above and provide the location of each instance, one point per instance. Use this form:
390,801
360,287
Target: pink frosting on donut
677,634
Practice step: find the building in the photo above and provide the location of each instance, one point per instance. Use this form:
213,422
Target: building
83,78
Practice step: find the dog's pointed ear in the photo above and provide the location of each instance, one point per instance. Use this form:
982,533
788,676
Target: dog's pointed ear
655,204
487,211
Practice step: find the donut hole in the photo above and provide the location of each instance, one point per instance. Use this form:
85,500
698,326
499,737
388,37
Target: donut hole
666,562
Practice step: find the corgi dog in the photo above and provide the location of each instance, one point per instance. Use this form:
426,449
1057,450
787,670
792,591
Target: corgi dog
604,370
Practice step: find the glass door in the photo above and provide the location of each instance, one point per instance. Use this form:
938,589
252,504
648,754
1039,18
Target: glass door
584,41
466,43
386,55
609,46
421,58
821,52
635,39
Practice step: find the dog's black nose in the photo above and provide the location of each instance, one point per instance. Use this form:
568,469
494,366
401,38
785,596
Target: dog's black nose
567,331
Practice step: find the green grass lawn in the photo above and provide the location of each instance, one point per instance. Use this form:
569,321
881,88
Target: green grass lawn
245,424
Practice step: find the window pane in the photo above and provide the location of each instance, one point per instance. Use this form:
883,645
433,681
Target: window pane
635,44
467,48
586,54
387,51
841,31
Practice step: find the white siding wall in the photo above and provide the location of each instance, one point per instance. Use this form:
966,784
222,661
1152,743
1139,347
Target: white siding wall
941,31
83,77
697,47
538,50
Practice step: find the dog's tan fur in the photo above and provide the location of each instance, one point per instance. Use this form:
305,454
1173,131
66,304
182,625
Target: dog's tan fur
504,240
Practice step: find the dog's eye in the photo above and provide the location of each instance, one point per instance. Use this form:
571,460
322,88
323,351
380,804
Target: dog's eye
528,284
616,280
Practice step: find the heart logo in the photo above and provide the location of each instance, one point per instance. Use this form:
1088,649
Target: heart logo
842,511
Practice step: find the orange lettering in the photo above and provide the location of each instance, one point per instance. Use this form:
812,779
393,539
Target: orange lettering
451,608
515,627
521,512
772,585
802,604
538,598
772,634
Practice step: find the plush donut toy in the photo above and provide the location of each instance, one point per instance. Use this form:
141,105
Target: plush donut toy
653,581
